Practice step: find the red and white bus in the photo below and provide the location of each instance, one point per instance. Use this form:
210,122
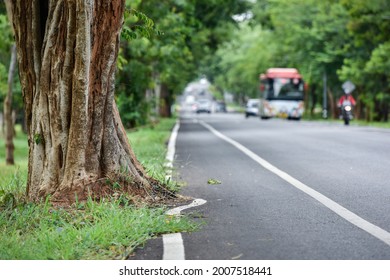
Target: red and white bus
282,94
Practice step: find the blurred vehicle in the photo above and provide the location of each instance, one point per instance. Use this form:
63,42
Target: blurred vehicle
346,111
252,107
188,107
282,91
221,106
203,106
347,102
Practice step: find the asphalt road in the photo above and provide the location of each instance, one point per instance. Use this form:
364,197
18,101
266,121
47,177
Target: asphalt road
255,214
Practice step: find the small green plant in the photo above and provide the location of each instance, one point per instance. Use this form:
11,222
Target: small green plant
116,185
213,182
7,200
38,138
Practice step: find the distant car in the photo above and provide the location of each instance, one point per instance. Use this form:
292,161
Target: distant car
221,106
252,108
203,106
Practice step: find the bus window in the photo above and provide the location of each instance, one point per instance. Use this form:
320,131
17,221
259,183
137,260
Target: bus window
280,88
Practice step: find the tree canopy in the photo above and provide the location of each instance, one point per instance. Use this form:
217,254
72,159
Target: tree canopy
174,42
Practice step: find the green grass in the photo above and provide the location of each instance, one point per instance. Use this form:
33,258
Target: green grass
146,143
13,178
318,117
149,144
373,124
105,230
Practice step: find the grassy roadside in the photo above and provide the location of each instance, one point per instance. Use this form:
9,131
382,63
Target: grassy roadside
150,146
352,123
318,117
13,178
105,230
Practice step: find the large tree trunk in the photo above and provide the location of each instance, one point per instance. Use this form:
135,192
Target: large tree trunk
67,52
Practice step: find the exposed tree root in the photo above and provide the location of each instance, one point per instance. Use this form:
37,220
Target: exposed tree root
155,194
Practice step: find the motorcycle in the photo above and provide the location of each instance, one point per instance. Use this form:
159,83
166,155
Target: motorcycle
347,105
346,111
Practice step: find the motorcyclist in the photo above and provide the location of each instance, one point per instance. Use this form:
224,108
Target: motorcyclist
347,96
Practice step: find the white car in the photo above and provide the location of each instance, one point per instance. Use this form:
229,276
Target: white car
252,108
203,106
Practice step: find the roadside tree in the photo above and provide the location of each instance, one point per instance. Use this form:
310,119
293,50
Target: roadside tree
67,53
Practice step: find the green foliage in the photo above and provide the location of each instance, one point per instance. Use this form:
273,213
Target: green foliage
152,60
241,62
6,38
379,62
191,32
131,85
366,58
143,26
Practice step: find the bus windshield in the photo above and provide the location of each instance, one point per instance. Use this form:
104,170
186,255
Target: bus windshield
283,89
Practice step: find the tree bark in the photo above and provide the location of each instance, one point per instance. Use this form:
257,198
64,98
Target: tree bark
313,95
8,118
67,51
7,108
332,104
165,101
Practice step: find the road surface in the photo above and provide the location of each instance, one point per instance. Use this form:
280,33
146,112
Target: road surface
288,189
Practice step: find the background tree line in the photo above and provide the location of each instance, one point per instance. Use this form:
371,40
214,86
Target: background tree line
232,42
340,40
157,67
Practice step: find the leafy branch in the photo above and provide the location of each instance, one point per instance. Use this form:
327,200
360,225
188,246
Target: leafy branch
143,26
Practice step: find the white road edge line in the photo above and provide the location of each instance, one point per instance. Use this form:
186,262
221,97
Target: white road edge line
351,217
173,243
171,150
